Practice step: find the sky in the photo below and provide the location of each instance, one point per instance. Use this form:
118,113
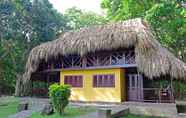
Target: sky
87,5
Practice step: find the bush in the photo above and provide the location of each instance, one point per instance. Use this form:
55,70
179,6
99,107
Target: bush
179,90
59,95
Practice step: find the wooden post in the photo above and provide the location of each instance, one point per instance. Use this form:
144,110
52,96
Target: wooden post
84,61
48,77
172,92
32,88
110,59
124,58
62,65
47,84
72,62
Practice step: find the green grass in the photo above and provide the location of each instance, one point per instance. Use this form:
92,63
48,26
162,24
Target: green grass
69,113
8,106
74,112
137,116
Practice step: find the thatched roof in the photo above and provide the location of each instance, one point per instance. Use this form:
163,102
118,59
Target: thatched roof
152,59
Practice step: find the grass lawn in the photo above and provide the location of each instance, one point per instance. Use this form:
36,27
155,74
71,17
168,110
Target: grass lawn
74,112
69,113
137,116
8,106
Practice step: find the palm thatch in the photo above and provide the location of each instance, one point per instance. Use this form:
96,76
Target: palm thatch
152,59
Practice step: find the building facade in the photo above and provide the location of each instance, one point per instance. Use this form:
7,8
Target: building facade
111,63
96,85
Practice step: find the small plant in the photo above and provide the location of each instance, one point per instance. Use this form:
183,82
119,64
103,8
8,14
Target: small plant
59,95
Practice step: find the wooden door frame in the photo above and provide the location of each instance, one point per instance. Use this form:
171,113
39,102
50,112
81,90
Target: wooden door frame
138,84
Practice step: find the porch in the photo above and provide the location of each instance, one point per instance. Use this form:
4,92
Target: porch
143,89
153,95
41,81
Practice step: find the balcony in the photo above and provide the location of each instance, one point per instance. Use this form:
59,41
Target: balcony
92,60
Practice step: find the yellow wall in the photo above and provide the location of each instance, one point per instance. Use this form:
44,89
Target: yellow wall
89,93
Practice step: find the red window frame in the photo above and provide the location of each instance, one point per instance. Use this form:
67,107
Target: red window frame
104,80
74,80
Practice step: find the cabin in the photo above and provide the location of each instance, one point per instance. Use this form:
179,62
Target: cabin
114,63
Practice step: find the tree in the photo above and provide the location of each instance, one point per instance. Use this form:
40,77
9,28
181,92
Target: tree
167,18
23,25
126,9
47,22
78,18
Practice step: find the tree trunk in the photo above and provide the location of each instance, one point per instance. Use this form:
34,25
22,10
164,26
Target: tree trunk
23,89
27,88
19,86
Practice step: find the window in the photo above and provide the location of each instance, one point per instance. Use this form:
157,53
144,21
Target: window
133,81
107,80
74,80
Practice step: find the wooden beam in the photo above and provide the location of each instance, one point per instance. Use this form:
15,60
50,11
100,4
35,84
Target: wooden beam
101,58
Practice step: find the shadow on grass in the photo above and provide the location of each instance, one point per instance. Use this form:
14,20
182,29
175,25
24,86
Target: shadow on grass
8,106
70,112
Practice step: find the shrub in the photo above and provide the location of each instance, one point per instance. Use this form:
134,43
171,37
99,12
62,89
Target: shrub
179,89
59,96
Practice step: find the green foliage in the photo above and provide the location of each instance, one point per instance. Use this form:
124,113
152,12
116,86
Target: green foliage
70,112
10,65
32,19
23,25
47,22
179,90
167,18
179,87
78,18
126,9
59,95
27,23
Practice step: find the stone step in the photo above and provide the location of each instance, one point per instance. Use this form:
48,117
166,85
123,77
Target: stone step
181,115
118,112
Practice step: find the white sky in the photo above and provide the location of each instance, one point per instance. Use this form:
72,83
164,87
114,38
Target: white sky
87,5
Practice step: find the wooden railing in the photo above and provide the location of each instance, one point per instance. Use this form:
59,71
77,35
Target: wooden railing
154,95
121,58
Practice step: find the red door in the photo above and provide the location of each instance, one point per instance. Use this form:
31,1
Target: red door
135,87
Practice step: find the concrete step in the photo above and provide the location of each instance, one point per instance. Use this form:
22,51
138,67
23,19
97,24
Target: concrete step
120,111
181,115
